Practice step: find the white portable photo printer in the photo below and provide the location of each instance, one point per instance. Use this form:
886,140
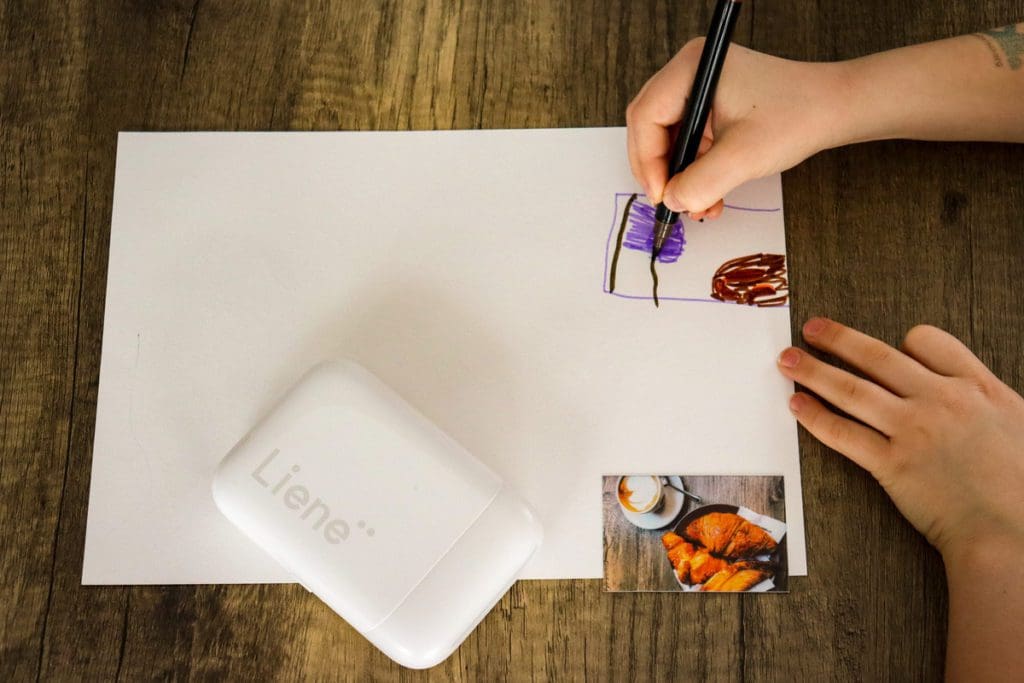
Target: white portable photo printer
378,512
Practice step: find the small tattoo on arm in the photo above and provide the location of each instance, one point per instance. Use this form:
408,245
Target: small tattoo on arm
1007,40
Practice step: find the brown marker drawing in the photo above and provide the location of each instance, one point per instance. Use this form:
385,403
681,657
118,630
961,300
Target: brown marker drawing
618,244
754,280
654,281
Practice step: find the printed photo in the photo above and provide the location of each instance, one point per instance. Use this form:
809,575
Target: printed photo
694,533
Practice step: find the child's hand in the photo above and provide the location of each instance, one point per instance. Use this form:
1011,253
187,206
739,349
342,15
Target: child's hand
941,433
769,114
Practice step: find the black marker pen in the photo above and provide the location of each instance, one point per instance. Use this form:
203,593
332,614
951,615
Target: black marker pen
698,106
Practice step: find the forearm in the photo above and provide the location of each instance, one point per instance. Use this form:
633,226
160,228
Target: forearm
965,88
986,614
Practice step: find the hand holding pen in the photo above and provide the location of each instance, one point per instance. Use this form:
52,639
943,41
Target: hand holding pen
695,116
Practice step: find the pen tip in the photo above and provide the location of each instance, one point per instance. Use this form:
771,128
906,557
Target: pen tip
661,232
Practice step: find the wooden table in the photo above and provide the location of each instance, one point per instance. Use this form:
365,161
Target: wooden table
881,236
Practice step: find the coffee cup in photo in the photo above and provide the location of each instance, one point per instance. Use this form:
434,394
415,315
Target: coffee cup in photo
640,493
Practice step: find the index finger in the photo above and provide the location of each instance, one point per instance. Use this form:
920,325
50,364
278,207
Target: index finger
648,148
657,106
894,370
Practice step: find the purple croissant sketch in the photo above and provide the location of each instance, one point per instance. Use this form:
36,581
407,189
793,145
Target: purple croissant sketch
640,233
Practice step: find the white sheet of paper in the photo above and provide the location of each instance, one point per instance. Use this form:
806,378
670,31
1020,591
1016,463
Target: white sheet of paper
468,270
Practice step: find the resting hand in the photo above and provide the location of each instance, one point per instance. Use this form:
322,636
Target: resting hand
937,429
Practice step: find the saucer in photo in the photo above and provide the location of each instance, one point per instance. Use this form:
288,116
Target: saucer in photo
671,505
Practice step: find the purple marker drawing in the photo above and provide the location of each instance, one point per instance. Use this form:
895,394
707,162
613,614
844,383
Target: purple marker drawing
750,208
640,235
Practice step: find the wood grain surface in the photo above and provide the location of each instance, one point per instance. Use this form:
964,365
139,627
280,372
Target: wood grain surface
881,236
635,559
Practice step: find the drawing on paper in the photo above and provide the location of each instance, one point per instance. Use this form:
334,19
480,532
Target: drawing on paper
754,280
636,232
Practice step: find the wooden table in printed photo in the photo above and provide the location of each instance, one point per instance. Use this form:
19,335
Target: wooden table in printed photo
880,236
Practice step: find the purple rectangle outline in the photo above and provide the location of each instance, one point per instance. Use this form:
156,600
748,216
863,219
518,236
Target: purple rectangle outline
608,244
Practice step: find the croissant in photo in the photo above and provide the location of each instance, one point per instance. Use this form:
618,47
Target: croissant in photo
692,564
715,551
739,576
729,535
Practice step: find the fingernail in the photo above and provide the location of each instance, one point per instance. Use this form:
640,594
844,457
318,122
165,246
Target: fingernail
796,403
814,326
789,358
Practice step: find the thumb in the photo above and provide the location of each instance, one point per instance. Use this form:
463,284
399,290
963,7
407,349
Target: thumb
725,166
